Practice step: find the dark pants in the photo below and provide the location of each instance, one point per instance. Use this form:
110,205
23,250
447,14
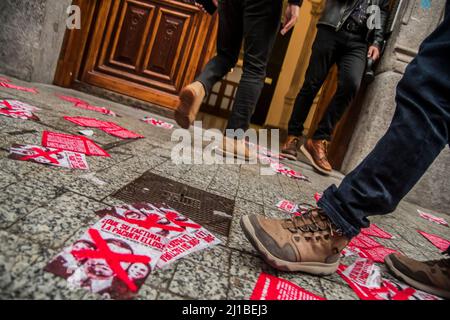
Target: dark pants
349,52
419,131
256,23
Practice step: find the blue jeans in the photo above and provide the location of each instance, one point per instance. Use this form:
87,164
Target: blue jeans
419,131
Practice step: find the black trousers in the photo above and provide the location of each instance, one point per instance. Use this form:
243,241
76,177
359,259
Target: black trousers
349,52
256,23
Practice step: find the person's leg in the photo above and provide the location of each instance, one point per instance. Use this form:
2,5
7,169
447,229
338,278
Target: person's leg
419,131
261,24
229,42
351,64
322,59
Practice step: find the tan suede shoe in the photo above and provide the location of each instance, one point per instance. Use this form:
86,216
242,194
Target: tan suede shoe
308,243
191,98
290,147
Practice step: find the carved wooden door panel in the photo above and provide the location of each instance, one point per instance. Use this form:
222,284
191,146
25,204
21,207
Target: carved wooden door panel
148,49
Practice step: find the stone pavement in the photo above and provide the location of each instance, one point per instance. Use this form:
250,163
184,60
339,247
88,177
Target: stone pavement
43,208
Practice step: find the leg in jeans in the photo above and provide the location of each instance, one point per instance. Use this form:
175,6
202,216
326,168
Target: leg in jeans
229,41
261,24
322,59
416,136
351,64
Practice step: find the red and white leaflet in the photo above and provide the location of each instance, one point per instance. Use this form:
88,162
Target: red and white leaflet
364,242
70,99
388,289
365,273
81,104
287,206
269,287
377,254
286,171
113,257
12,86
432,218
89,122
158,123
2,79
72,143
18,105
17,114
122,133
50,156
375,231
440,243
318,196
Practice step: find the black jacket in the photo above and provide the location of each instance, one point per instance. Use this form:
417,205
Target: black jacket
337,12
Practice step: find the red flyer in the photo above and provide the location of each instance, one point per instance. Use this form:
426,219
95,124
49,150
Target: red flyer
287,206
286,171
89,122
377,254
12,86
375,231
113,258
318,196
365,280
50,156
121,133
73,143
18,110
4,79
81,104
158,123
364,242
440,243
269,287
432,218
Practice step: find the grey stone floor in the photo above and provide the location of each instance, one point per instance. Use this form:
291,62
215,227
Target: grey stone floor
44,208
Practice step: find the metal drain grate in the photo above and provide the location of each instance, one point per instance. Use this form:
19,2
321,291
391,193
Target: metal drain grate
212,211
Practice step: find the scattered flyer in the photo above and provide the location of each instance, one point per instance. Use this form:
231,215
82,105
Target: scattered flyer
18,110
317,196
2,79
364,242
158,123
185,235
376,231
113,257
440,243
287,206
73,143
432,218
269,287
377,254
81,104
13,86
366,247
364,277
106,126
286,171
50,156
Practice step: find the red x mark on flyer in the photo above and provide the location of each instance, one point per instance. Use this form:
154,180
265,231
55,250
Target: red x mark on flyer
42,153
113,259
152,222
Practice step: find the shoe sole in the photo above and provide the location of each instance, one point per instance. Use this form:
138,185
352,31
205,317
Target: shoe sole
187,98
316,268
313,163
289,156
414,283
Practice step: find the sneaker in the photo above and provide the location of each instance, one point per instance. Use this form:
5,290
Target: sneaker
191,98
236,148
316,152
309,243
290,148
429,276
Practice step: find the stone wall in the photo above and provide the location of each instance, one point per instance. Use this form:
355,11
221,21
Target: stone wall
433,190
31,35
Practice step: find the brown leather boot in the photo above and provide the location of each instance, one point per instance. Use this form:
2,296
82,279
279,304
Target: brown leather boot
308,243
316,152
429,276
290,147
237,149
191,98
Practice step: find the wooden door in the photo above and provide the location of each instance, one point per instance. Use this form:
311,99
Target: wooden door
148,49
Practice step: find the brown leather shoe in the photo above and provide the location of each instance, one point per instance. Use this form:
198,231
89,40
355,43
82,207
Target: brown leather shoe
308,243
237,149
429,276
316,152
191,98
290,147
